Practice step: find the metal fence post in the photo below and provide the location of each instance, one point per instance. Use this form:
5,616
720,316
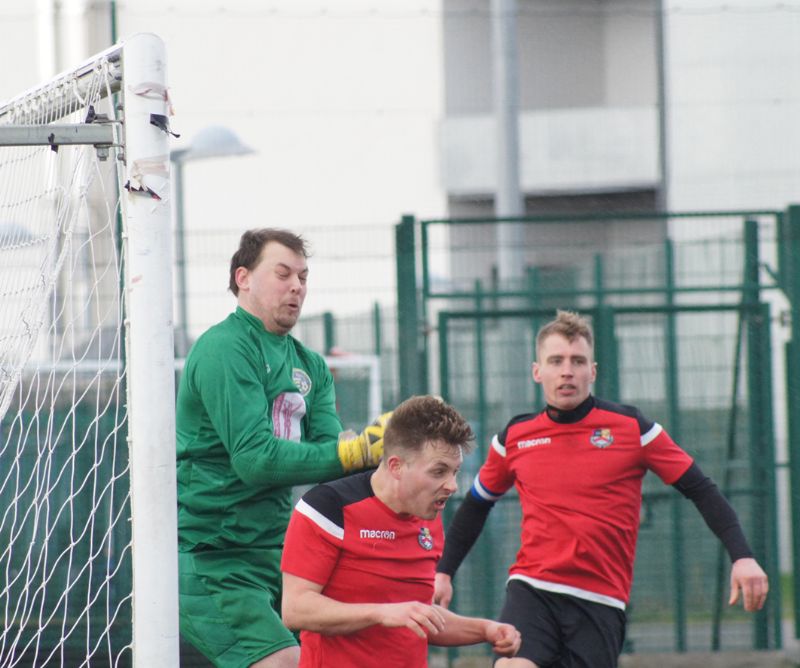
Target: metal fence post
759,419
673,407
377,330
329,331
607,382
408,326
790,274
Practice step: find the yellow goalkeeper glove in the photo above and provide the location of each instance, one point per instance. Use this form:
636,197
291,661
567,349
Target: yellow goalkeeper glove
364,450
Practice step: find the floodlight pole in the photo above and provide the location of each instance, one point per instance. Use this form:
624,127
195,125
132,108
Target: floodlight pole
508,197
508,202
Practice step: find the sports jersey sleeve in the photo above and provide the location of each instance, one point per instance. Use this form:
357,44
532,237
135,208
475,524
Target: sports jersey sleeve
228,384
662,455
462,533
495,478
718,514
314,538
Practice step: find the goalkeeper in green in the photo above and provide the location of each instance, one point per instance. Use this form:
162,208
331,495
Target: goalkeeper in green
256,414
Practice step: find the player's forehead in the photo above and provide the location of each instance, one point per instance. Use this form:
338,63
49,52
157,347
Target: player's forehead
275,254
437,452
559,346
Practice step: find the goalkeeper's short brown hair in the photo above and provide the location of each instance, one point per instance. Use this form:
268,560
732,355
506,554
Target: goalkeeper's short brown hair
252,243
426,418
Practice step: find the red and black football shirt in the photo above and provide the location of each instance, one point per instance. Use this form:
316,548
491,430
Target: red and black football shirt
579,478
343,537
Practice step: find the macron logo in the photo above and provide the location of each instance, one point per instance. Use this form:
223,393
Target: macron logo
377,533
533,442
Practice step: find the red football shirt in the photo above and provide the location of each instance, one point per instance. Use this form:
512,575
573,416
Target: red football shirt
580,487
343,537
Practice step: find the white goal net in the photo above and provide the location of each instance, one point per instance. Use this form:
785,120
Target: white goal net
85,361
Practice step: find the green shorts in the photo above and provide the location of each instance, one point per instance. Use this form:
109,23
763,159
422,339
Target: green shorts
230,605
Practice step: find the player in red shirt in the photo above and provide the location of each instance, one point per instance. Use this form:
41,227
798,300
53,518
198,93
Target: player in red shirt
360,553
578,468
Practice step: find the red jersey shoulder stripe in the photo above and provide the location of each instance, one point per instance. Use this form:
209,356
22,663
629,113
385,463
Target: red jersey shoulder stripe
319,519
498,447
651,434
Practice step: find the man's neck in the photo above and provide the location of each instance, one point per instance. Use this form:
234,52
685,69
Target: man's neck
244,308
567,416
385,488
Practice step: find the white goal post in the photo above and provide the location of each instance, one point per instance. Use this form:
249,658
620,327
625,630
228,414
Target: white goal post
88,524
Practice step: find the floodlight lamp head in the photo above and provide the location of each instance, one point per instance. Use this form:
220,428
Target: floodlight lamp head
214,141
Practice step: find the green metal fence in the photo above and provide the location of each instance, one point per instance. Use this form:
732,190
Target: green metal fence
685,310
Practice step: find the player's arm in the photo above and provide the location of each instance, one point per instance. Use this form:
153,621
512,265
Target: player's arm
492,481
463,531
747,576
459,630
232,393
305,607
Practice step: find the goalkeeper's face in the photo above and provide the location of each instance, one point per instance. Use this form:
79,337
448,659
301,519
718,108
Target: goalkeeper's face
275,289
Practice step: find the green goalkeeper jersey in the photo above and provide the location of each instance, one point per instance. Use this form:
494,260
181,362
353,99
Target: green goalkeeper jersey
256,414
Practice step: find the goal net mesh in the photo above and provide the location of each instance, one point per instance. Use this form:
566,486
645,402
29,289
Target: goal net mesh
65,592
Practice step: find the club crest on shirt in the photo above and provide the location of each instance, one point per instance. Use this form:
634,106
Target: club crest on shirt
301,381
425,539
601,438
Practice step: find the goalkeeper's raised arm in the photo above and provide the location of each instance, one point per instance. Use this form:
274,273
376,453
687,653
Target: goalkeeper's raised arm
256,414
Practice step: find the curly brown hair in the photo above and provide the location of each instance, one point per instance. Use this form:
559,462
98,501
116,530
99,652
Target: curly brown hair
422,419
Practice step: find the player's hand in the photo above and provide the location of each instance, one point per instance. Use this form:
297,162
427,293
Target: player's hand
364,450
504,638
747,576
442,589
424,620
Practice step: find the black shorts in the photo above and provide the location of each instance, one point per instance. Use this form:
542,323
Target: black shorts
562,631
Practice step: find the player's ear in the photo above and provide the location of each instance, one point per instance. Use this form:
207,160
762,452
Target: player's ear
242,276
394,464
535,372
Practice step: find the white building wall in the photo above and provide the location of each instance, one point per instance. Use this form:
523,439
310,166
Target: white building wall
733,77
574,150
